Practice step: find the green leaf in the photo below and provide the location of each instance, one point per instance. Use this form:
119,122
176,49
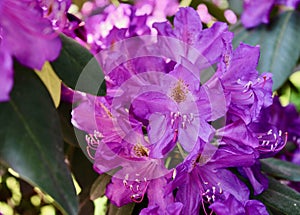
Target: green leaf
31,140
279,47
125,210
281,169
64,111
236,6
77,68
281,198
51,81
85,175
99,186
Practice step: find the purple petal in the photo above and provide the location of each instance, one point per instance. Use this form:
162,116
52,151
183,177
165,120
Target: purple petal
213,102
188,193
187,25
243,63
6,80
161,202
256,12
118,193
161,135
164,29
230,206
227,181
258,181
83,117
231,156
211,41
29,37
254,207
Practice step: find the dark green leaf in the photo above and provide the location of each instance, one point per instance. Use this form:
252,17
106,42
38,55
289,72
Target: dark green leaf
281,198
281,169
64,111
85,175
279,47
99,186
125,210
31,141
82,169
77,68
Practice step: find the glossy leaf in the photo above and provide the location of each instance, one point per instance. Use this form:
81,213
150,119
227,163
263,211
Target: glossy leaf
64,111
279,49
51,81
85,175
31,140
78,69
281,198
281,169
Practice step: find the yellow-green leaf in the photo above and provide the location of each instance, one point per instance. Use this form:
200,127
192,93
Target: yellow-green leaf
51,81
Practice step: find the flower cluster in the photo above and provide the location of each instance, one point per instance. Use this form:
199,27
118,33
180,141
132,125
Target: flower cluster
117,22
171,129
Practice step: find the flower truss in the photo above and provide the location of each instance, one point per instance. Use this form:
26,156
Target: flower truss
174,132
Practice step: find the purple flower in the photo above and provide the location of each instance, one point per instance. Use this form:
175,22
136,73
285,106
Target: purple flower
159,10
232,206
161,103
56,12
25,35
123,145
188,28
113,24
159,201
184,113
263,137
248,91
258,11
286,121
202,180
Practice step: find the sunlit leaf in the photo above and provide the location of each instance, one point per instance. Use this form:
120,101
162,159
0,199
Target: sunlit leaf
51,81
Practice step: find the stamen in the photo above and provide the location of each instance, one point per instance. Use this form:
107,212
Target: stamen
179,92
137,198
93,140
140,150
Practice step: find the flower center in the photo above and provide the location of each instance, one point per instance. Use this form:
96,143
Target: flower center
180,91
140,150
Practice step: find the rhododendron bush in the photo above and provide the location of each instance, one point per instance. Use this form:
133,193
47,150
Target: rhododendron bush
149,107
